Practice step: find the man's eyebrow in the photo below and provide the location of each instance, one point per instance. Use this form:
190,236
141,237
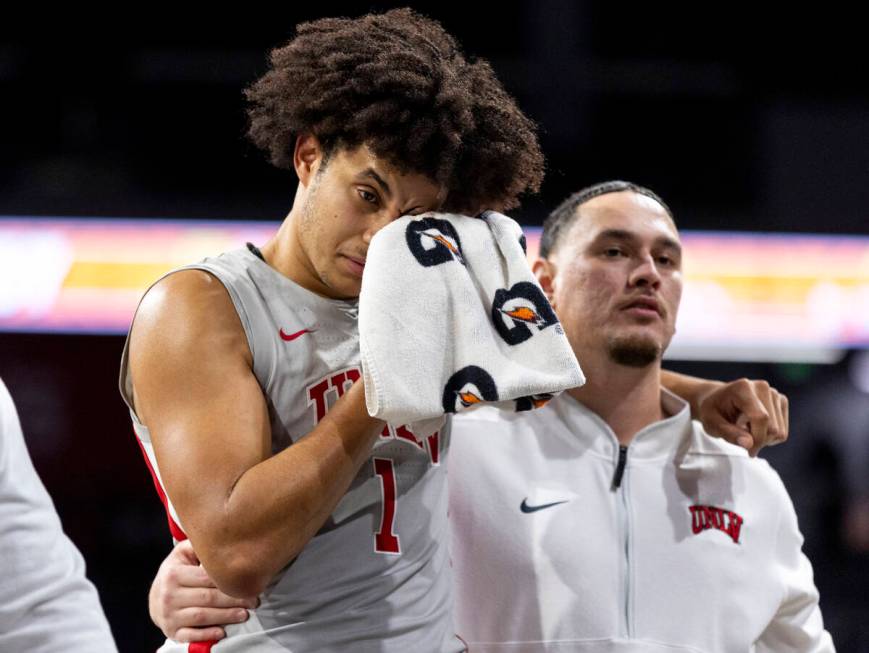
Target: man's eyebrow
370,172
627,236
615,234
670,244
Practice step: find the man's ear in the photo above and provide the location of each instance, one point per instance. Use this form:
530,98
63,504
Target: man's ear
544,270
307,157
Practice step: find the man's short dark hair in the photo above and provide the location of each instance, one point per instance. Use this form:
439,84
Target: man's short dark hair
557,223
399,83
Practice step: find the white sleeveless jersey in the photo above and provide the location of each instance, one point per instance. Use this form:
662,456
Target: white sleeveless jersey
376,577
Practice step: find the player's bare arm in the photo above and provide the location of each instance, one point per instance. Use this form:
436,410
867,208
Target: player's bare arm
252,512
749,413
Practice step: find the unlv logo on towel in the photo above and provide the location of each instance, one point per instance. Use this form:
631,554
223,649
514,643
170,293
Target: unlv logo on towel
433,241
515,311
469,386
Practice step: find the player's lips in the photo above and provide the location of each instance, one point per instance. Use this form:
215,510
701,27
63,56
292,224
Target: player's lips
647,306
355,264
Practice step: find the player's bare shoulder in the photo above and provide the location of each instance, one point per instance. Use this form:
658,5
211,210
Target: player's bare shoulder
185,324
181,304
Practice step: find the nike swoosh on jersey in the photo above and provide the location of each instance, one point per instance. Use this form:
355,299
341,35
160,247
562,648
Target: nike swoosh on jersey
292,336
524,507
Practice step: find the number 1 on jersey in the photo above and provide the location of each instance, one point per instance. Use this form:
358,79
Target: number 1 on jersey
385,541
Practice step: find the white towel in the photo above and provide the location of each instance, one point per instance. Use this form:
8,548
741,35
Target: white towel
451,316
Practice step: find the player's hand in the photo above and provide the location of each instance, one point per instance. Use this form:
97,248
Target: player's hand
185,603
751,414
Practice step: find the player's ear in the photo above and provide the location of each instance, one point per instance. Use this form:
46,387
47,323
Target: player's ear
544,270
307,157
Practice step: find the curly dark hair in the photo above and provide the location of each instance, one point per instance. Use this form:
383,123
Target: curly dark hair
399,83
562,217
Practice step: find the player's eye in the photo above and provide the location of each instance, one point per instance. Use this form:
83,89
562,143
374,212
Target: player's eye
367,195
613,252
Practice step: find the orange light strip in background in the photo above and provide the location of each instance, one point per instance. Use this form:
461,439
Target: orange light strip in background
773,297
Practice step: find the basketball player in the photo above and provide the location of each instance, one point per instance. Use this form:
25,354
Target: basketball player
46,602
239,370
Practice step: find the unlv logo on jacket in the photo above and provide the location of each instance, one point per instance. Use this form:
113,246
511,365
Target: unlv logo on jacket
433,241
468,387
516,311
705,517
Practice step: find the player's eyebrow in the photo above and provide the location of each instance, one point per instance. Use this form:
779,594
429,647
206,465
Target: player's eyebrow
370,172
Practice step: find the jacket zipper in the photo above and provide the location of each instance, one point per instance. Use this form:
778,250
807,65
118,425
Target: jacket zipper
619,484
620,467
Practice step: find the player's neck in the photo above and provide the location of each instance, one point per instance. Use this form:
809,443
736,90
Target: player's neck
284,253
628,399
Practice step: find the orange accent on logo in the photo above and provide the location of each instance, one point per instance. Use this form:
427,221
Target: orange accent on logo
469,398
540,402
443,241
523,314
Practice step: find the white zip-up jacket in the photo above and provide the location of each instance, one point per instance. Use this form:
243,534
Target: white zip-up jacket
564,541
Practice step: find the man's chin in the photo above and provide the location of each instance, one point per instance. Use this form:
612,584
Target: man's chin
341,286
634,351
347,293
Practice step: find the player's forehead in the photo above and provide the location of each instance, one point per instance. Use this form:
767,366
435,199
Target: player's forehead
624,214
363,164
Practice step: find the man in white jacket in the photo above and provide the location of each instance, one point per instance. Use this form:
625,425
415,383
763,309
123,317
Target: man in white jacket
606,521
609,521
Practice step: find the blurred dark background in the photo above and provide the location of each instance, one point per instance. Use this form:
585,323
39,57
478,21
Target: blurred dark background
741,117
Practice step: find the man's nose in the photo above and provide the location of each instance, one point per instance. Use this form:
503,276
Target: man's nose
378,221
645,273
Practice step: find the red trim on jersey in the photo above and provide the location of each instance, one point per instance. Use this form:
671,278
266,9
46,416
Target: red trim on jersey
174,528
200,647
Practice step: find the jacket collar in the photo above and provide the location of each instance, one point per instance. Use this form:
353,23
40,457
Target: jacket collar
657,440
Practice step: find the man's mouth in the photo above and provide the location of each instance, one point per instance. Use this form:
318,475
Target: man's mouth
355,264
643,306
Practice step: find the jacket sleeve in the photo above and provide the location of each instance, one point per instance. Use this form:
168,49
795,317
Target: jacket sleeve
46,602
797,626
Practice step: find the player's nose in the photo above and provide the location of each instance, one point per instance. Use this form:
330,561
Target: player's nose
379,220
